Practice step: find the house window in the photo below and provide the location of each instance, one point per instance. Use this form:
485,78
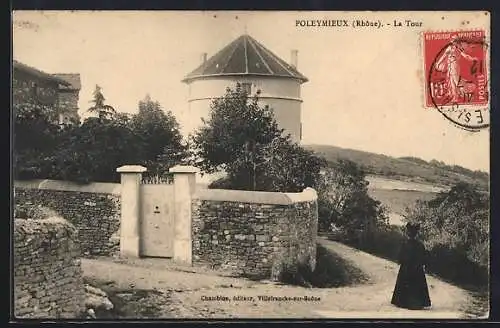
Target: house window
247,87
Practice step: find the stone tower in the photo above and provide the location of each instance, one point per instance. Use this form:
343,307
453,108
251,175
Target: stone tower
248,62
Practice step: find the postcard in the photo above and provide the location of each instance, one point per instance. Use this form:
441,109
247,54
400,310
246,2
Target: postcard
251,165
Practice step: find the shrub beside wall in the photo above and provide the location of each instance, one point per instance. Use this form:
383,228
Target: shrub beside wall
47,274
254,234
443,261
94,212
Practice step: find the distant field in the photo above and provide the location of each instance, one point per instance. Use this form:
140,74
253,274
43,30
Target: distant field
398,200
397,195
378,182
404,168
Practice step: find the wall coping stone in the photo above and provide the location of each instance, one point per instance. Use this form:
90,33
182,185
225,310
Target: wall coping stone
131,169
307,195
256,197
183,169
60,185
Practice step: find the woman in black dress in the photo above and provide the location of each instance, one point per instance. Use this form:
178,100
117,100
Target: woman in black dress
411,291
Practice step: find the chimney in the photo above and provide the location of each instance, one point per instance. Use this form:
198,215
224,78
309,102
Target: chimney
294,58
203,57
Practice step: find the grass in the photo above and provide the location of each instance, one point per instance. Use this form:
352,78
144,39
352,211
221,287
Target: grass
398,200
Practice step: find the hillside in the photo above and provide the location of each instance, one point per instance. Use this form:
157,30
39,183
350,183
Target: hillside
405,168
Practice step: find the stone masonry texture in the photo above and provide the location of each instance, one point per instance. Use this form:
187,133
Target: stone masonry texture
254,240
95,215
48,279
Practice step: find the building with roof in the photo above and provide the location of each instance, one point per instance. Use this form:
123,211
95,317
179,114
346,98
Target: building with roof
68,96
248,62
57,91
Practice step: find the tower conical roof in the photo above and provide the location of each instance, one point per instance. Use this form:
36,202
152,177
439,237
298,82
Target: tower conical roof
245,56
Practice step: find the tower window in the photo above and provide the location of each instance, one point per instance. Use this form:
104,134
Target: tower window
247,87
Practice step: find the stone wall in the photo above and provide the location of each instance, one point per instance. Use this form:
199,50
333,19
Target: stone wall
48,279
94,210
254,234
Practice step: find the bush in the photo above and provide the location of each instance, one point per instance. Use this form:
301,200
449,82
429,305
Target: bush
384,242
454,265
344,203
221,183
444,260
94,150
457,219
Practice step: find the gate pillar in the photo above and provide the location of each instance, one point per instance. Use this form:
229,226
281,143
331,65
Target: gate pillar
184,187
130,209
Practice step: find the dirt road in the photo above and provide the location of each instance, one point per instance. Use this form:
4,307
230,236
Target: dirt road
200,294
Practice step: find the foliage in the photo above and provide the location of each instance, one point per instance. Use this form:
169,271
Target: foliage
93,150
278,166
236,125
162,144
35,138
242,139
454,229
457,219
344,203
104,111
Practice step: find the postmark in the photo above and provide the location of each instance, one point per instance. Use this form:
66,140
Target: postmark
456,71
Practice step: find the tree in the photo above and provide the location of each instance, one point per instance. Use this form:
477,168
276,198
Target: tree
159,133
242,139
93,151
35,138
104,111
237,126
285,166
344,202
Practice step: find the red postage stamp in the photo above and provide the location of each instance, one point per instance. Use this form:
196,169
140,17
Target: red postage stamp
456,70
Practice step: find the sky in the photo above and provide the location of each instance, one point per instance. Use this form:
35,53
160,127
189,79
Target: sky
365,88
